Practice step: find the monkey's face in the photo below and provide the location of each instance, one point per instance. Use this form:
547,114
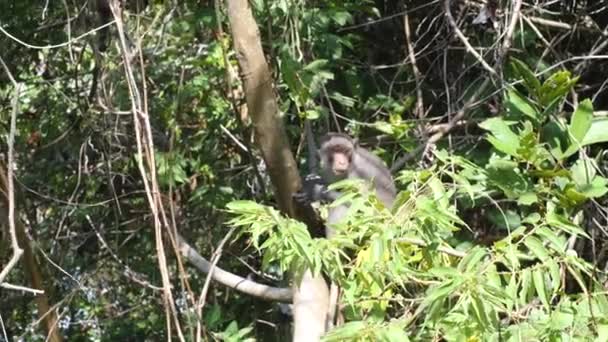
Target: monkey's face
336,156
340,163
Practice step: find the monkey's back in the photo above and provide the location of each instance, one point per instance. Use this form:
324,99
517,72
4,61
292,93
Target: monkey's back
370,167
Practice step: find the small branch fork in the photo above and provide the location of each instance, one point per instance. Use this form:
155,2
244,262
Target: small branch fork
10,194
474,100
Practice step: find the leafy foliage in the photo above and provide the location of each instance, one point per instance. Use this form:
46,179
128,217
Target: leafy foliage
515,288
497,234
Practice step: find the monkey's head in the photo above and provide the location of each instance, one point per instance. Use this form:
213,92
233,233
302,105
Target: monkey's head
336,154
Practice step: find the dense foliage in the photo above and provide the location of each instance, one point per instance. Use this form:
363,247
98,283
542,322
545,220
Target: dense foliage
499,227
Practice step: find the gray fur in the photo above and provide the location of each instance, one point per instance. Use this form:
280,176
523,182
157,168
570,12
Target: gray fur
364,165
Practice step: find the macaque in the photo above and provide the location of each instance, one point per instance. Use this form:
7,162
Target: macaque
342,158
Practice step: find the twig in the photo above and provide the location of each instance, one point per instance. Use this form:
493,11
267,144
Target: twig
202,299
417,76
506,42
128,271
10,196
473,100
465,41
145,149
9,286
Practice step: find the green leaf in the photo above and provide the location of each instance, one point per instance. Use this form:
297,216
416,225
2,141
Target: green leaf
506,220
531,82
540,287
562,319
581,121
558,221
502,138
316,65
597,133
519,106
555,135
537,248
527,198
583,172
526,286
481,314
472,259
347,332
556,86
554,275
341,17
377,249
602,333
597,188
556,242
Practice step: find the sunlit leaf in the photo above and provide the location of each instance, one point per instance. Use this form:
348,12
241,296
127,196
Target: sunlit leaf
540,287
502,137
521,106
581,121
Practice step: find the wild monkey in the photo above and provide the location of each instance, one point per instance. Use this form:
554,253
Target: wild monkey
341,158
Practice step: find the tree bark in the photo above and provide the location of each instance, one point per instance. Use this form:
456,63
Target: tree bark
311,295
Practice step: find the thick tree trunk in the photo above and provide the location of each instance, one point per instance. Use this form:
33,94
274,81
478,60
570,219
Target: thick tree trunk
310,297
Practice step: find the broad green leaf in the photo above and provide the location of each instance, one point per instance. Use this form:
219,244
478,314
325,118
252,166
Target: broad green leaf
527,198
556,242
562,319
493,277
602,333
597,188
583,172
581,121
506,220
441,292
520,106
558,221
316,65
395,332
532,218
555,135
511,290
377,249
597,133
502,138
537,248
341,17
528,144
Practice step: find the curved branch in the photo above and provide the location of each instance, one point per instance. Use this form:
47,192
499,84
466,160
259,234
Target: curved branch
281,294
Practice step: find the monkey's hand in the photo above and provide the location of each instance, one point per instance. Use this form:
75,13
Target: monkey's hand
313,189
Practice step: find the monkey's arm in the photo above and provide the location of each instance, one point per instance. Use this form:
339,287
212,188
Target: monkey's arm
315,189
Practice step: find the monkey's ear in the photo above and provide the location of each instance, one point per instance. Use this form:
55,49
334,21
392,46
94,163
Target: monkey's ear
356,142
